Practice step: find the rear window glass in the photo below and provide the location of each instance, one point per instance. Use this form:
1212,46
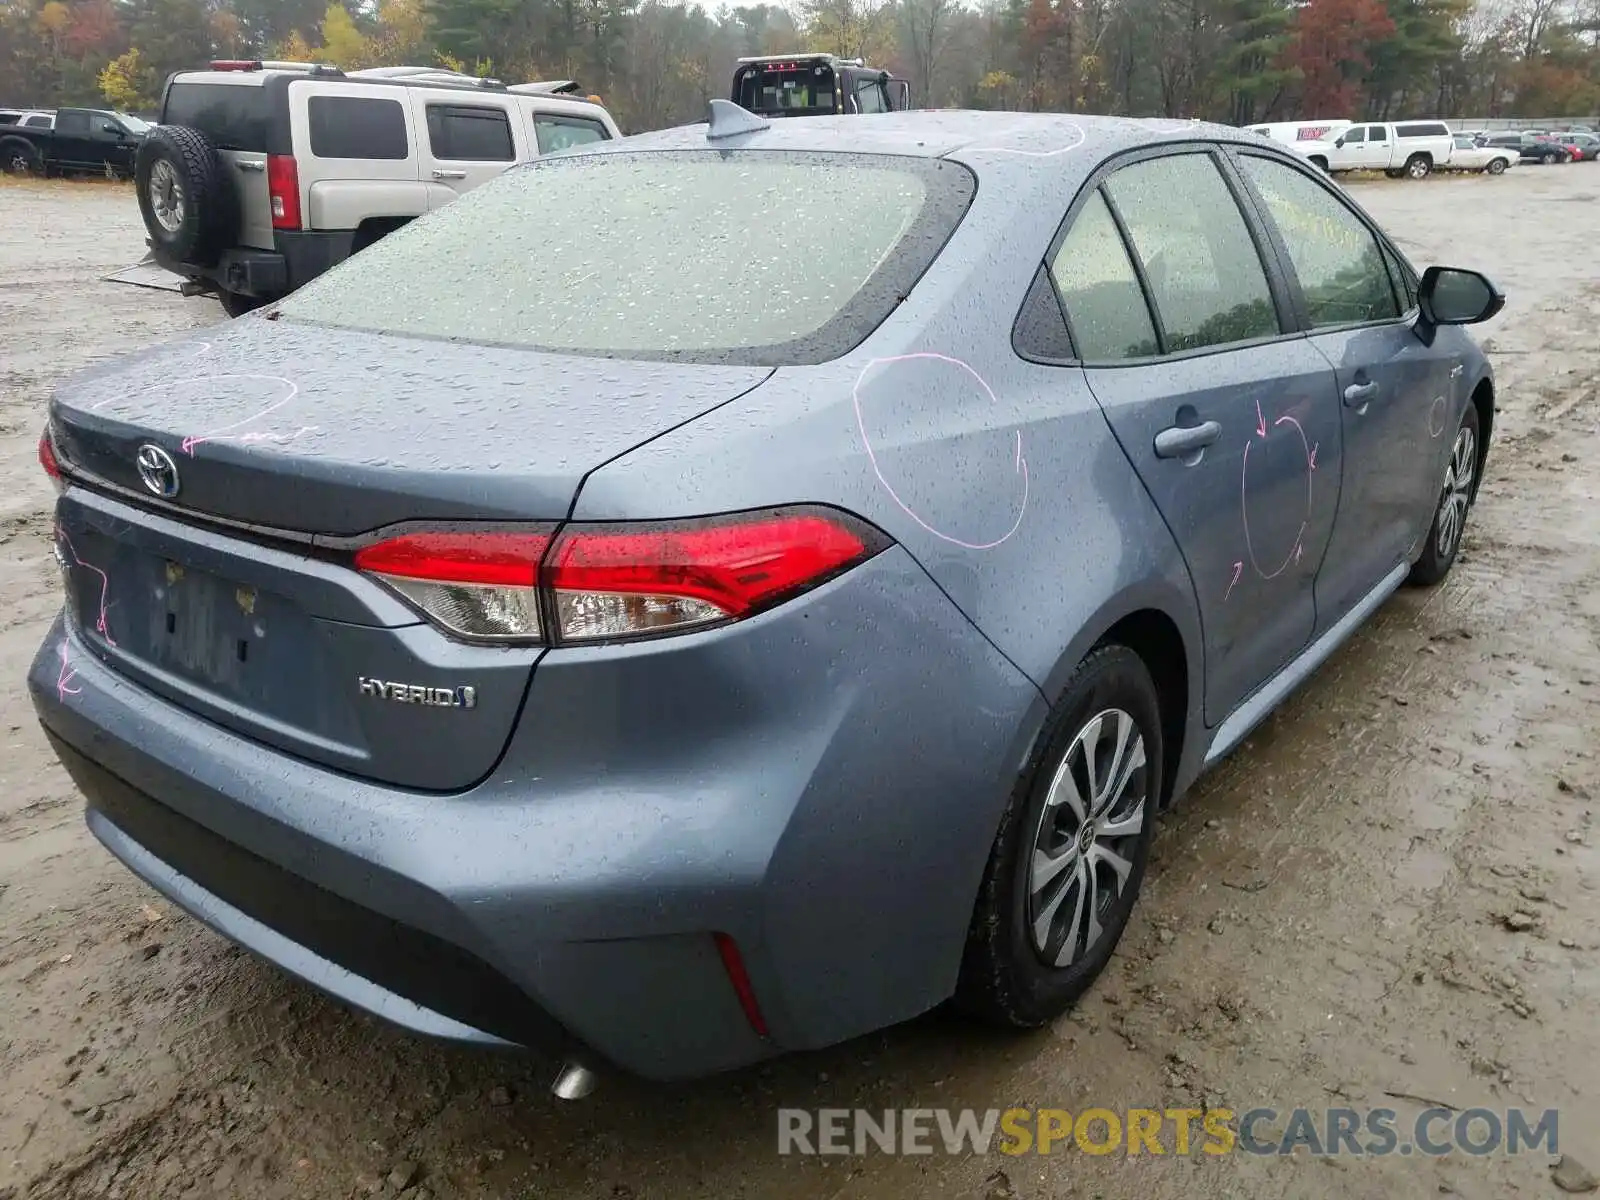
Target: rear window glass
562,133
469,134
788,89
357,127
692,256
236,116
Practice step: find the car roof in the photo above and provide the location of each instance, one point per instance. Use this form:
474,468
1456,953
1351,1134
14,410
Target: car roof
1056,140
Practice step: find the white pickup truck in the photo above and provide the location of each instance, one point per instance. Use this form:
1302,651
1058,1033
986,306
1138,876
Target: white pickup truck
1410,148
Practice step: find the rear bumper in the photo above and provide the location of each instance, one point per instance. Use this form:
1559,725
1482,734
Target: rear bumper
296,258
822,783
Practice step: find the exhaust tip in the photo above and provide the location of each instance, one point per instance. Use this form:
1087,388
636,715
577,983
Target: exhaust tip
574,1082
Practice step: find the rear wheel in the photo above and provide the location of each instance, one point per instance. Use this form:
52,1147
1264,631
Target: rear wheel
18,157
236,304
1497,166
1455,501
1547,158
1418,166
1067,861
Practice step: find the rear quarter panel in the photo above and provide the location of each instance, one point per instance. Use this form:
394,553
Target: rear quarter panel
999,475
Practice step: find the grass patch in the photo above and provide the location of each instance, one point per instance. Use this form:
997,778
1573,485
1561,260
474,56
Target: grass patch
39,183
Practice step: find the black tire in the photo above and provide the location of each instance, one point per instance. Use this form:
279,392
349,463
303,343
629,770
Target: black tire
1547,158
236,304
1444,532
1497,166
1418,166
18,156
1320,163
1395,173
1006,979
207,209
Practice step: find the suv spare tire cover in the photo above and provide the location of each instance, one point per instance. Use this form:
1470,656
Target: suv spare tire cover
207,208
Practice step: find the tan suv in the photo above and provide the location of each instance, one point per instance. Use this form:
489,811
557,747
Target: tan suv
262,175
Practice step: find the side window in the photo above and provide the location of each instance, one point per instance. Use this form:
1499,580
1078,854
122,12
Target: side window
37,122
869,98
1354,136
559,133
465,134
357,127
1101,293
1204,272
1405,283
1377,133
1338,261
74,124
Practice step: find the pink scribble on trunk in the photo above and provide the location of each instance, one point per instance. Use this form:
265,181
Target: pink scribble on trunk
105,585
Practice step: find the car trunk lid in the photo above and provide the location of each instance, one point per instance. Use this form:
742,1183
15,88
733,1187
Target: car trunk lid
234,598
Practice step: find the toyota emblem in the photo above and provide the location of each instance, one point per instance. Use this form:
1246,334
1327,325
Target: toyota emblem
157,471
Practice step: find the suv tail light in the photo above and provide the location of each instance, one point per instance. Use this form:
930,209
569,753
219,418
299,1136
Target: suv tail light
283,185
235,64
599,582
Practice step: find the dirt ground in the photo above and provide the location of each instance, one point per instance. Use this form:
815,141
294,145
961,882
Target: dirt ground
1327,921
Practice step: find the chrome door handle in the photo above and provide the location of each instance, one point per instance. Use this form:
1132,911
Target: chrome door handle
449,174
1358,394
250,164
1182,440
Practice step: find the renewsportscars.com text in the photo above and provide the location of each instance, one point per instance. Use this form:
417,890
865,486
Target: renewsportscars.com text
1370,1132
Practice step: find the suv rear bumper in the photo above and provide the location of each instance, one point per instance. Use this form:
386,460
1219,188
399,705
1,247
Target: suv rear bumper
296,259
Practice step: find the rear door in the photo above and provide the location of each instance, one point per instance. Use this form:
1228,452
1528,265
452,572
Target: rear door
72,143
1380,148
1231,423
465,142
1399,400
233,111
357,150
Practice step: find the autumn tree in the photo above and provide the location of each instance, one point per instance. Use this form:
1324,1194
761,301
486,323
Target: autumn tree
1328,50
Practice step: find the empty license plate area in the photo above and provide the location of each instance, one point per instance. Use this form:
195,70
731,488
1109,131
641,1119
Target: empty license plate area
238,653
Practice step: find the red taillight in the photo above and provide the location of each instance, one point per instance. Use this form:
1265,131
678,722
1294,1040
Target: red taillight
617,581
476,583
621,580
48,459
283,186
235,64
733,964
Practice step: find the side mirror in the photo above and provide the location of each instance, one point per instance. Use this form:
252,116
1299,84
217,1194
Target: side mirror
1455,296
112,128
1339,142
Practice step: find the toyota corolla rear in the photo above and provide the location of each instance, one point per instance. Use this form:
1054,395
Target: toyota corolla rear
338,674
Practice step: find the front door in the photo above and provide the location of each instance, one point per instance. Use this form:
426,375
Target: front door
464,145
1400,400
1232,425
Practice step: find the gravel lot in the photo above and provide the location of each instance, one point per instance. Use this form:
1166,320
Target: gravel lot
1329,920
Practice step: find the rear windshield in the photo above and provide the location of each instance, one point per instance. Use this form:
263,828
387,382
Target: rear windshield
236,116
758,257
788,89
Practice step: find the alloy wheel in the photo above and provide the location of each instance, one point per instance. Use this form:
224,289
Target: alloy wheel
166,196
1458,477
1092,818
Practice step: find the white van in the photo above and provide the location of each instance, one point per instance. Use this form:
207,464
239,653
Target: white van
1291,132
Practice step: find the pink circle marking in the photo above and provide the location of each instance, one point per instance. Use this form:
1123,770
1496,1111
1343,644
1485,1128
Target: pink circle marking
872,455
1244,504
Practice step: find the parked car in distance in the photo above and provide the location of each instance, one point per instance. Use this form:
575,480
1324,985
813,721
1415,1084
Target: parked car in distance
1292,132
77,141
1532,147
1469,156
1584,147
27,118
401,648
261,174
1398,148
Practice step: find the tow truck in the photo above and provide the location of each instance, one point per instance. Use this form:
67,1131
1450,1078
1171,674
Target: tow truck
816,85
